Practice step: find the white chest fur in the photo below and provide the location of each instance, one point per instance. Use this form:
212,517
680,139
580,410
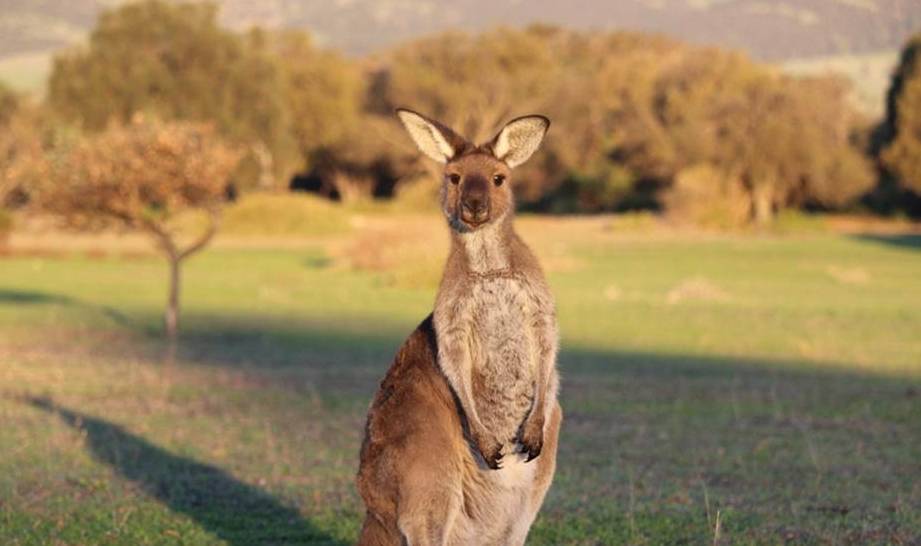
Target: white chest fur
503,352
485,249
494,328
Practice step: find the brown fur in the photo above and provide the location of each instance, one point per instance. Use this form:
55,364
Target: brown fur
461,438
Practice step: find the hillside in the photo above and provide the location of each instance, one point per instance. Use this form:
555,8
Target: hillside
769,30
842,35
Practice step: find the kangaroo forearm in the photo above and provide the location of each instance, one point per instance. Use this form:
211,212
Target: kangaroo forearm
456,365
546,336
459,377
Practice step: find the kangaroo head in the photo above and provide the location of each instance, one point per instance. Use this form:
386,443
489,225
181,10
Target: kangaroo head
475,190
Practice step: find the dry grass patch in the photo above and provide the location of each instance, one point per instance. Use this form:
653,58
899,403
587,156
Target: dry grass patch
409,252
696,289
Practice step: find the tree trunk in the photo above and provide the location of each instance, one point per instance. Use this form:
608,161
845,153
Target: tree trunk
266,166
763,204
353,188
6,229
171,317
175,257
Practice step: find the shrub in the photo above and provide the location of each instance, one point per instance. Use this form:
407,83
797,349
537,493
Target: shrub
704,196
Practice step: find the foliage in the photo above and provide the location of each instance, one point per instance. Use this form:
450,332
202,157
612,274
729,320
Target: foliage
11,158
902,153
173,61
367,161
631,111
780,140
702,195
6,227
634,111
474,83
27,137
593,192
323,90
9,102
140,177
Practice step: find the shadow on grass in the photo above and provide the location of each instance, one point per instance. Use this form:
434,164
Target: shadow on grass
911,241
27,297
772,439
344,357
24,297
759,434
342,346
232,510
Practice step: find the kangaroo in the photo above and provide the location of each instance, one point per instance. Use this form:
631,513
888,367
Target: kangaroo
461,437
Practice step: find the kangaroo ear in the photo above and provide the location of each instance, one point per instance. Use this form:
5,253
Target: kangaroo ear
433,139
519,139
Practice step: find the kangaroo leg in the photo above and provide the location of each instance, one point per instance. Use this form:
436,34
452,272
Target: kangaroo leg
374,533
428,519
546,466
430,497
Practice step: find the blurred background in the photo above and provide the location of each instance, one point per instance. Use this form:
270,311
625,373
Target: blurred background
214,235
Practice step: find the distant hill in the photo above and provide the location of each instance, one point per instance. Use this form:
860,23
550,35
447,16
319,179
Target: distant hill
773,30
769,29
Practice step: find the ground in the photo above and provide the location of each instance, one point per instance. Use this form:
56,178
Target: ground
718,389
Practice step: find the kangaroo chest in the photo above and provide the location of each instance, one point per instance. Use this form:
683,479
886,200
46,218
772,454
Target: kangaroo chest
503,354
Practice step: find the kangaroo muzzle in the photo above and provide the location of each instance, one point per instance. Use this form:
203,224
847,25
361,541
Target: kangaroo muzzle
474,201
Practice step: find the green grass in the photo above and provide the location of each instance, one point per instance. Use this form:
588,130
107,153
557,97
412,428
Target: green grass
770,383
283,214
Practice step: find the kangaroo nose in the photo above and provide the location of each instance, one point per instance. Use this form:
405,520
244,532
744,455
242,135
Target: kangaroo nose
475,205
475,199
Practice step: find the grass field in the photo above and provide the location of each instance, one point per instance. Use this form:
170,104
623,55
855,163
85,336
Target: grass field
717,389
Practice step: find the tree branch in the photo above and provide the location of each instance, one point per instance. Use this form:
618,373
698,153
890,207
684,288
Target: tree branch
162,237
214,221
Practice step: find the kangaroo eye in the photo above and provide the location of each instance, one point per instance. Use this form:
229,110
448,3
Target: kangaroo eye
498,179
454,178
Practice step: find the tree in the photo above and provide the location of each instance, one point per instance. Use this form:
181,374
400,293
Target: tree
337,140
25,140
832,167
140,177
782,141
632,112
9,103
324,91
901,154
473,82
789,142
173,61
